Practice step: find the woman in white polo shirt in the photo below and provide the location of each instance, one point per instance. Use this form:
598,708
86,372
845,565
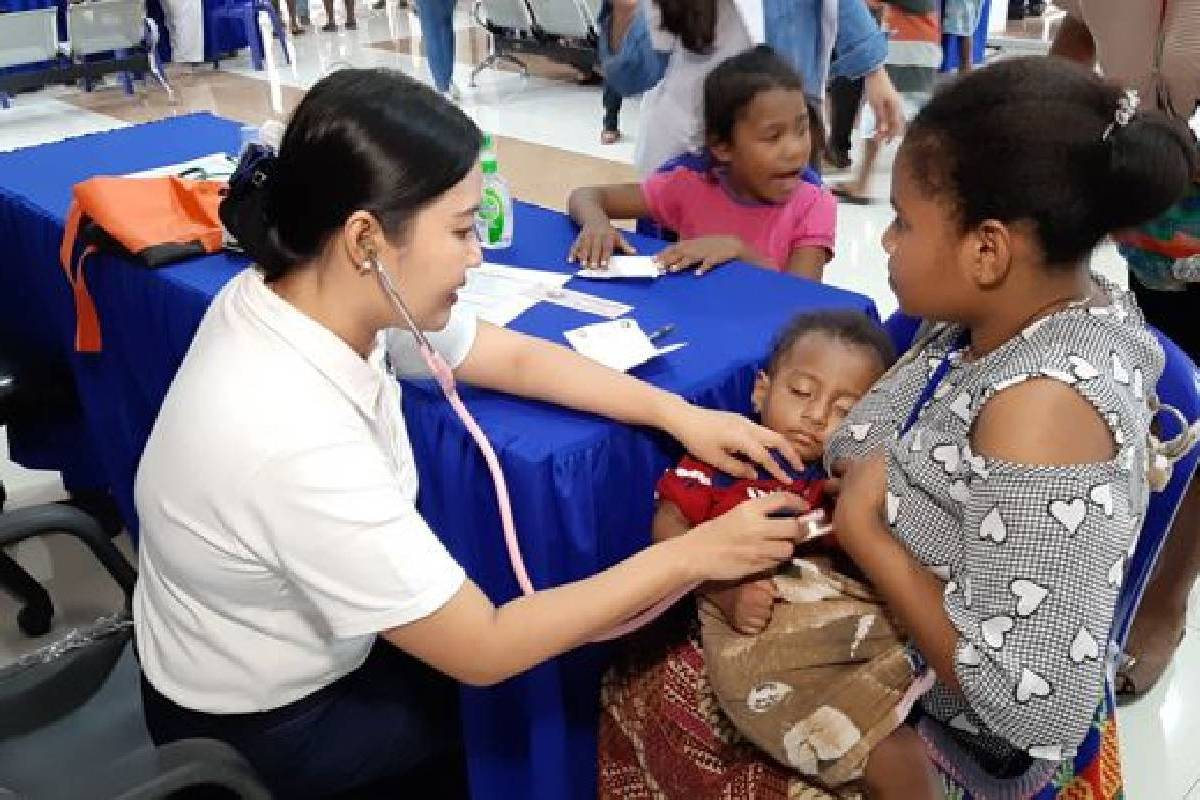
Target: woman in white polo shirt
276,493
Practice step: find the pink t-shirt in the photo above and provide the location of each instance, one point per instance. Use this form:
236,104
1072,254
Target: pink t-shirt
695,204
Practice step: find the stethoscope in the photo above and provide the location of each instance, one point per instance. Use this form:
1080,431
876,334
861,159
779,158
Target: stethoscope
445,378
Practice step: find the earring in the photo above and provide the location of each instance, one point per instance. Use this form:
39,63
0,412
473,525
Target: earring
369,264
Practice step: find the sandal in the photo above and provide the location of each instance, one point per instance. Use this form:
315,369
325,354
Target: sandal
610,137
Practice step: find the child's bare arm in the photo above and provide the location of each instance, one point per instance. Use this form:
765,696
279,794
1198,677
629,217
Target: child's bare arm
808,262
669,522
746,605
594,208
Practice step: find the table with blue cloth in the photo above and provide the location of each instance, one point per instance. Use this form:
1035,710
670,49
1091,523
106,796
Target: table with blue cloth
581,486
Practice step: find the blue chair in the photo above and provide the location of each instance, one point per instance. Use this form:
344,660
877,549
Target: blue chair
245,13
1179,387
696,162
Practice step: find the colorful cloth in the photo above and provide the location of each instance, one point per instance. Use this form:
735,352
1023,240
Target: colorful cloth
1164,253
695,204
663,737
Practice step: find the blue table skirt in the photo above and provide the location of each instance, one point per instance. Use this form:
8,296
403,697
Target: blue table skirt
581,486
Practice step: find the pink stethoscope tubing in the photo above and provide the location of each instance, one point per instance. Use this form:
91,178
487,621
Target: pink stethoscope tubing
445,378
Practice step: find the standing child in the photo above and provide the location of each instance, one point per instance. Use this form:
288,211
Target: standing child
914,54
750,203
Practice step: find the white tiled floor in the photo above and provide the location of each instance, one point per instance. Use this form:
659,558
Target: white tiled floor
1160,733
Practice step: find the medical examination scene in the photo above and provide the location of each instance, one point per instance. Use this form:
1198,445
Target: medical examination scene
599,399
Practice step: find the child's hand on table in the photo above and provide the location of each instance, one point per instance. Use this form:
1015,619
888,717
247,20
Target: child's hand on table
746,606
705,254
596,244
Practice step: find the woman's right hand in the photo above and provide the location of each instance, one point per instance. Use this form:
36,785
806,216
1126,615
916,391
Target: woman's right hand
596,245
754,537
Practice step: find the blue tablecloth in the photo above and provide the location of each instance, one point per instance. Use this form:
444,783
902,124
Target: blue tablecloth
581,486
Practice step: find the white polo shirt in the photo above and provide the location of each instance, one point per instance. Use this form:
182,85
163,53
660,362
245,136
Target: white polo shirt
277,495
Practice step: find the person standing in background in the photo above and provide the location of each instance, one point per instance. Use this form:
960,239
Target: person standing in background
437,29
185,26
960,19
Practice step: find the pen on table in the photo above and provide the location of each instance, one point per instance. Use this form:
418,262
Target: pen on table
655,335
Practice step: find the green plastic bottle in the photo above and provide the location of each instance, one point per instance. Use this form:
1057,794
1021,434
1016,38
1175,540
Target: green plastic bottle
494,223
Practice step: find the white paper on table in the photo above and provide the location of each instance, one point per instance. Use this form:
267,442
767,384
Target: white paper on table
216,166
499,294
582,301
641,267
619,344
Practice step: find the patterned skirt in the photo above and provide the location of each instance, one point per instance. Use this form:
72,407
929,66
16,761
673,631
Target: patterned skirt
663,737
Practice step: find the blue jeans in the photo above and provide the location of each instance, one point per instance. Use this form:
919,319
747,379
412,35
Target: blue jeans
437,28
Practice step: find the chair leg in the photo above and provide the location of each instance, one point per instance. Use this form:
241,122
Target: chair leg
494,59
254,37
34,618
276,26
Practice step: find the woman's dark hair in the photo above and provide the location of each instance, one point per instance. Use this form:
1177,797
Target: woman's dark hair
849,327
737,80
693,21
1028,139
369,139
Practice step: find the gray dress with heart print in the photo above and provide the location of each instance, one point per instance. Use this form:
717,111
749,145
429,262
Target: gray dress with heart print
1032,556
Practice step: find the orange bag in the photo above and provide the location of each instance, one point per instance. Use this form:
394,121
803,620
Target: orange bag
153,221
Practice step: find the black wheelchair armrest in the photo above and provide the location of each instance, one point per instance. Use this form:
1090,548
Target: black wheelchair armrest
25,523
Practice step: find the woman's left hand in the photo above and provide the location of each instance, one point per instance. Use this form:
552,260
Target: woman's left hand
860,505
727,441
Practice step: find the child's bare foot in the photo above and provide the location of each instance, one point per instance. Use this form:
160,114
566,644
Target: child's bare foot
899,767
609,136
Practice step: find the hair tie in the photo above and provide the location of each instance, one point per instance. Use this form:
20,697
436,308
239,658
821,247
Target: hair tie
1127,106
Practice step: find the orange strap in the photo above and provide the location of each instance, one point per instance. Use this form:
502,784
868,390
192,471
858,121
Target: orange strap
87,321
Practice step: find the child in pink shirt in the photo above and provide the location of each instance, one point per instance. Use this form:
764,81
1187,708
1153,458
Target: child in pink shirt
750,203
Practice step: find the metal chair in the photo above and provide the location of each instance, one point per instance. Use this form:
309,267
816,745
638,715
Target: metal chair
505,21
562,18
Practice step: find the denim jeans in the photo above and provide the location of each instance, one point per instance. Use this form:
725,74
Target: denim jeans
437,29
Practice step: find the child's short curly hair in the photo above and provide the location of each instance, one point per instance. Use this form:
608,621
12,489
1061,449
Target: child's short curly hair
851,327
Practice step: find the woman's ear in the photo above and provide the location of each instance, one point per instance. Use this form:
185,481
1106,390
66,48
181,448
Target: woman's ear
987,253
362,239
